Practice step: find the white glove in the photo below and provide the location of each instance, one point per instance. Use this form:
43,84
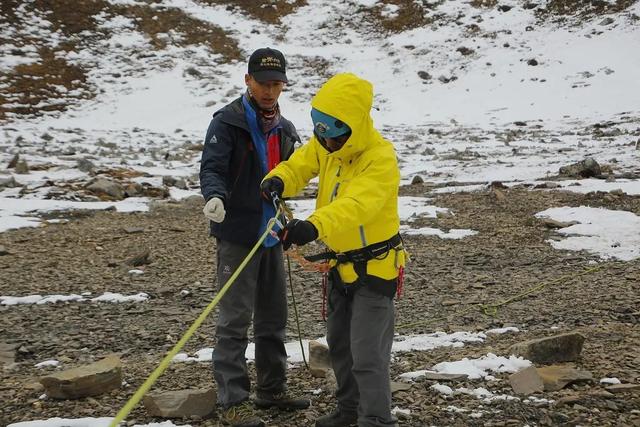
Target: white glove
214,210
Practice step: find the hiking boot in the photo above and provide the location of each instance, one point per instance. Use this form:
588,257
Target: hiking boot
241,415
338,418
282,401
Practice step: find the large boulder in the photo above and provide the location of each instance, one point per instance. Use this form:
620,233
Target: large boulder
89,380
557,348
583,169
181,403
103,186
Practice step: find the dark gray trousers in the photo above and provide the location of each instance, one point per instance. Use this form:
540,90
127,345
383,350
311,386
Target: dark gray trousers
360,334
259,292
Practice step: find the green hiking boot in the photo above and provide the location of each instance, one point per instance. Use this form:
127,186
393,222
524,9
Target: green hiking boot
282,401
338,418
241,415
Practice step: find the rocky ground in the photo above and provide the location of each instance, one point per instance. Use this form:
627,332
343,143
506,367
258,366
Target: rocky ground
508,256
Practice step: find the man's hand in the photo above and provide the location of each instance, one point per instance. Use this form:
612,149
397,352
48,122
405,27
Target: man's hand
214,209
271,185
297,232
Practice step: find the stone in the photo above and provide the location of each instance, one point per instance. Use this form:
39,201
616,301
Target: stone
4,251
553,349
417,179
8,181
133,230
465,51
85,165
436,376
585,169
181,403
7,353
319,363
527,381
397,386
89,380
104,186
623,388
552,223
22,167
14,161
556,377
139,258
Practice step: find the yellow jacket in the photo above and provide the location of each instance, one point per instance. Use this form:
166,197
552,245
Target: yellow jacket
357,202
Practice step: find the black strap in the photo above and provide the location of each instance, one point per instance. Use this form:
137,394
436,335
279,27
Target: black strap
359,256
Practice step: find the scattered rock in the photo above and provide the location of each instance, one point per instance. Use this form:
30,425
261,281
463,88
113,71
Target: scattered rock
104,186
133,230
445,79
89,380
552,223
526,381
140,258
585,169
556,377
557,348
8,182
397,386
533,62
436,376
22,167
7,353
171,181
547,185
607,21
623,388
319,363
465,51
85,165
14,161
133,189
181,403
424,75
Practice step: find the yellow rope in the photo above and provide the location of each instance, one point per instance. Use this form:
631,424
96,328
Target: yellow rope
164,364
492,309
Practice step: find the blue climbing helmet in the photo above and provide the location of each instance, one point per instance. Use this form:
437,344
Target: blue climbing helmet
326,126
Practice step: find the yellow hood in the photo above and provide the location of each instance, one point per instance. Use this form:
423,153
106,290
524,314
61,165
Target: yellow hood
348,98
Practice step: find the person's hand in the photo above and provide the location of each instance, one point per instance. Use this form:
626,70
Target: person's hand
297,232
271,185
214,209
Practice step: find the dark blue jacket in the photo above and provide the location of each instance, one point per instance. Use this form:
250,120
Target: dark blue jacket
230,169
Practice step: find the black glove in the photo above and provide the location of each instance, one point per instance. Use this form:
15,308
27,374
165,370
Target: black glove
298,232
271,185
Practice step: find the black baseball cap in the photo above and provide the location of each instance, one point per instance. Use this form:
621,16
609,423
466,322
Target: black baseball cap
268,64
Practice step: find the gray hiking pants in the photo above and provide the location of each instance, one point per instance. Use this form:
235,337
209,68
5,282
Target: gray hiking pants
360,334
259,292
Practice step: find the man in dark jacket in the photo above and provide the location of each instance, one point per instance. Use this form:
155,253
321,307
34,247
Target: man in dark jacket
245,140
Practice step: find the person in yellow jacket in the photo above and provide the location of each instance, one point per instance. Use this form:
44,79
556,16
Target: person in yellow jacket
356,216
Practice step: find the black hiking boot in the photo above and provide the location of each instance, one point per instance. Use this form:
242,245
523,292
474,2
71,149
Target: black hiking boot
338,418
241,415
282,401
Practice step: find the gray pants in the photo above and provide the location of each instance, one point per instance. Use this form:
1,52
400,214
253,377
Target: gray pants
258,292
360,334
